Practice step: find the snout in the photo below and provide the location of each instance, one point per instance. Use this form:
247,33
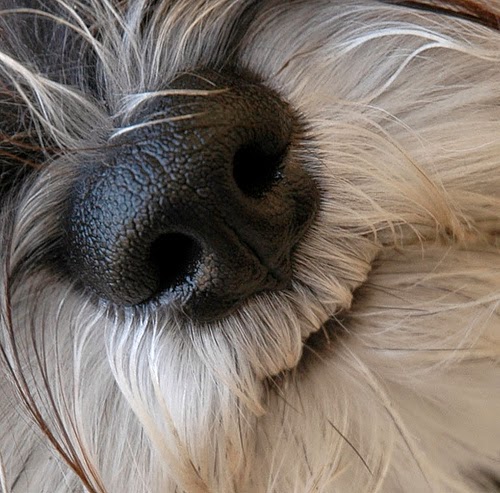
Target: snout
199,203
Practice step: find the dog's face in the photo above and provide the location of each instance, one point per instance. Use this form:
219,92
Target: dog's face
249,246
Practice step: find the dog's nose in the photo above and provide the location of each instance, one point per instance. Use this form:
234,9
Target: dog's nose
198,202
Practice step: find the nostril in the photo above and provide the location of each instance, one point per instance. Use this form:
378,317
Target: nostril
174,257
256,170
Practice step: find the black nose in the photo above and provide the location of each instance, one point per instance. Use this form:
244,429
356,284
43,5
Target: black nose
198,202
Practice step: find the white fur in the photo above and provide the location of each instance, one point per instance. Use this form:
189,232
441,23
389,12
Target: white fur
404,394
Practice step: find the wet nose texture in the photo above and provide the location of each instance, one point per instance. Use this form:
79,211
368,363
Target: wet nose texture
197,204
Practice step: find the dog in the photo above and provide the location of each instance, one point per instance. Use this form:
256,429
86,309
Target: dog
249,246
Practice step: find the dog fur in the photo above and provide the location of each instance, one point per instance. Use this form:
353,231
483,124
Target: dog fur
378,370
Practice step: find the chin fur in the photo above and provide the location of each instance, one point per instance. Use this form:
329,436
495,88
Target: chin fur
378,370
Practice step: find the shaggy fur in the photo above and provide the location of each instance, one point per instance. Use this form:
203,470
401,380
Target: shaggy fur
377,371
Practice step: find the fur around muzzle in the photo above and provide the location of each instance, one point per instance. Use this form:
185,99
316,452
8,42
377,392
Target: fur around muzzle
249,246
